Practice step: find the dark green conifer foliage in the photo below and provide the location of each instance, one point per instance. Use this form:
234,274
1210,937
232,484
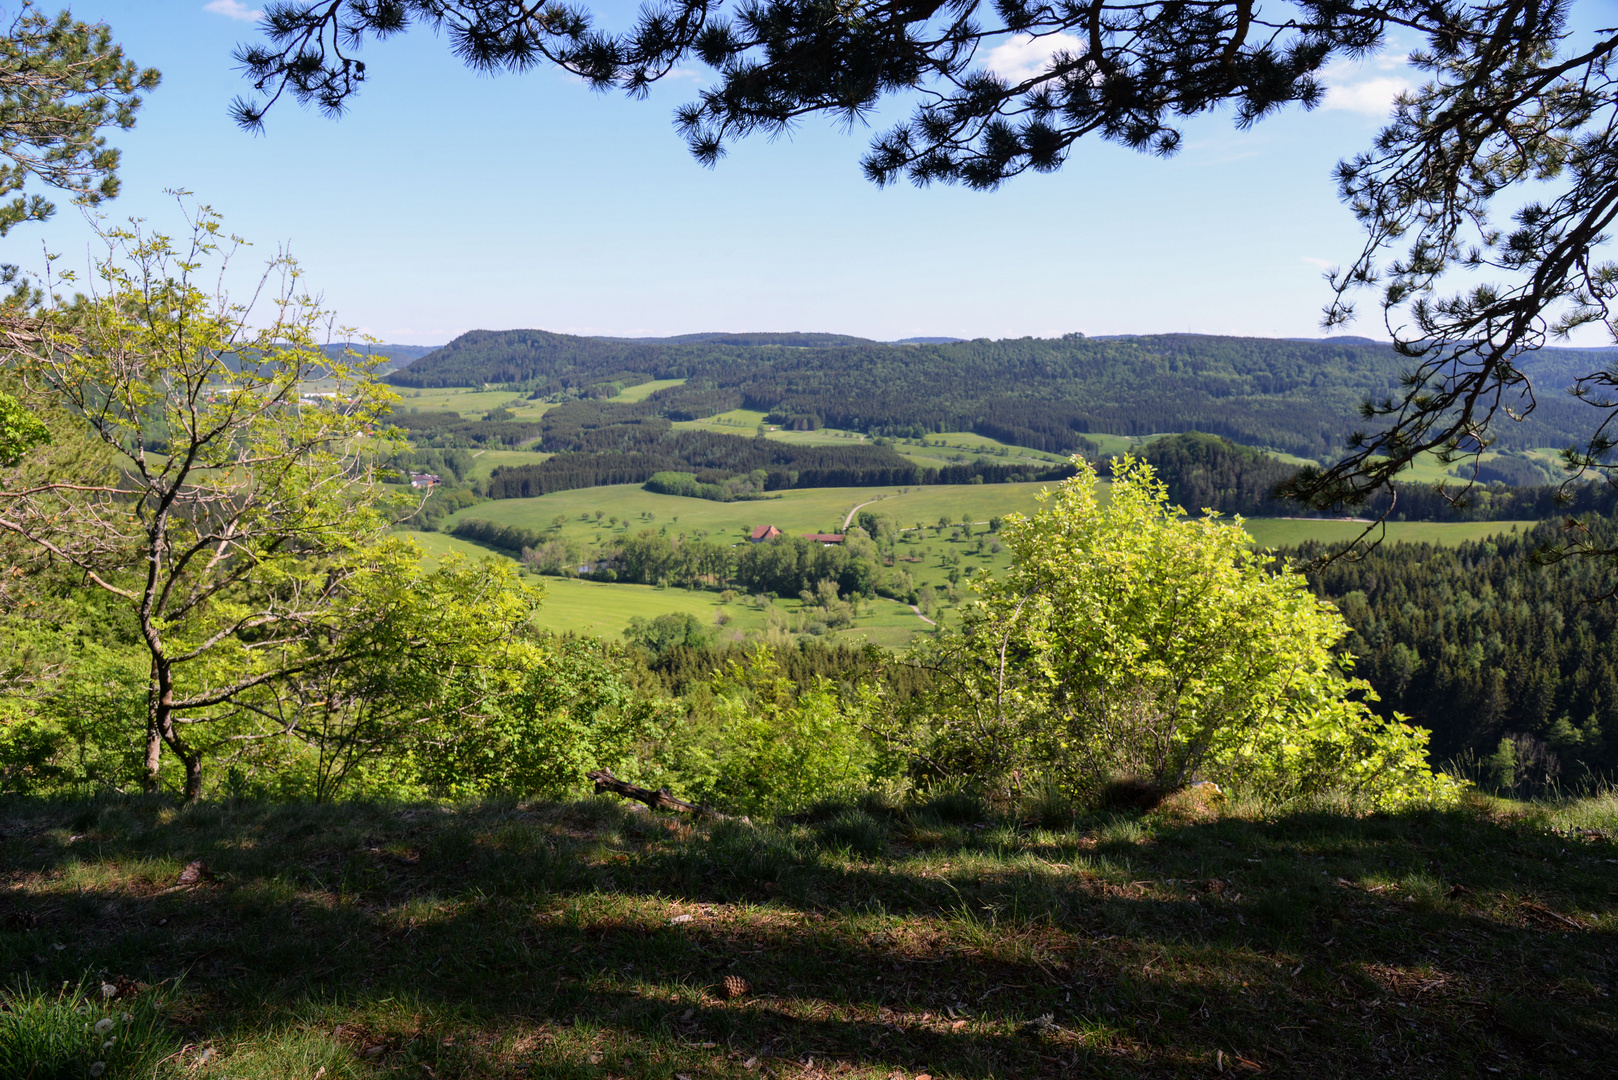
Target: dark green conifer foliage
62,82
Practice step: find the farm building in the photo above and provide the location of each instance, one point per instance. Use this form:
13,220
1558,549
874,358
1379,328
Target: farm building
825,538
762,533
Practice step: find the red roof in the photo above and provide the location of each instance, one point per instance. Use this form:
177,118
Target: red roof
825,538
764,532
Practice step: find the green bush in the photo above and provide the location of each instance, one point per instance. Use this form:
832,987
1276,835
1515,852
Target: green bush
1130,643
752,742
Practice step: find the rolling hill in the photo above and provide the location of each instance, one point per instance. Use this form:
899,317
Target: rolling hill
1301,397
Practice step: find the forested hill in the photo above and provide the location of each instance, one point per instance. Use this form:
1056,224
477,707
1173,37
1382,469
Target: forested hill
394,356
1299,396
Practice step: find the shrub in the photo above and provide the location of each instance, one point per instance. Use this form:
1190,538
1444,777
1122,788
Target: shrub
1129,644
752,742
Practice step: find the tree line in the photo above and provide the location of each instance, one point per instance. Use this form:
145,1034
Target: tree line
718,459
449,430
1206,472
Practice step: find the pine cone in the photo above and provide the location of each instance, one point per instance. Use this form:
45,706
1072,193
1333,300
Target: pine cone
734,986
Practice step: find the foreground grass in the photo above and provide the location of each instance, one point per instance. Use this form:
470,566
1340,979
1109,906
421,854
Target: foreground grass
583,940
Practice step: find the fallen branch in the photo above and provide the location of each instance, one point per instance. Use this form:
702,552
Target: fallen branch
661,799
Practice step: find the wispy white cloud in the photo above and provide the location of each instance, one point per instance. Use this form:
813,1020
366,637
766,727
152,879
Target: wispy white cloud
233,9
1023,56
1320,264
1368,86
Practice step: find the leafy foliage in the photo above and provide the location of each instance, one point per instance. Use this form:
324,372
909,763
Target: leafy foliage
754,742
1127,643
20,431
228,518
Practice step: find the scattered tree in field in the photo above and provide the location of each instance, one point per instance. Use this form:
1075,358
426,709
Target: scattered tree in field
1127,643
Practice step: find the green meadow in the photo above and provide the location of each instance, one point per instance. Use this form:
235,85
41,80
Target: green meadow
1286,532
642,391
928,555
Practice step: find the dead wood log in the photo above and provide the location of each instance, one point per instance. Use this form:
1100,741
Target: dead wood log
661,799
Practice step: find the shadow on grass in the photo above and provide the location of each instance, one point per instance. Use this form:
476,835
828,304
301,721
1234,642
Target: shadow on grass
584,940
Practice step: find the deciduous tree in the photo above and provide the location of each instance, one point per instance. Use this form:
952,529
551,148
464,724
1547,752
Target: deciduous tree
226,513
1129,643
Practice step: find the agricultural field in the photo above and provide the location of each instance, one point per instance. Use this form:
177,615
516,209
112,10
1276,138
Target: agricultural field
1285,532
928,555
802,510
486,461
734,422
645,390
603,610
471,404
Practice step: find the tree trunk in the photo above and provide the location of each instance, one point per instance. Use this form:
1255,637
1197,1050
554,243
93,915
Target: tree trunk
154,756
154,730
163,720
193,777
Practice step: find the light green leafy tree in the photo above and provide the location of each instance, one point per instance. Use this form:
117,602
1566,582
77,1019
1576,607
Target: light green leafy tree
752,742
1128,642
226,514
448,689
20,431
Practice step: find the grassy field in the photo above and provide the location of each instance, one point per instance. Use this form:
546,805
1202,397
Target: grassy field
471,404
927,555
1285,532
734,422
486,461
603,610
582,941
801,510
646,389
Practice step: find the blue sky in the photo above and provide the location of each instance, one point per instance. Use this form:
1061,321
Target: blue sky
447,201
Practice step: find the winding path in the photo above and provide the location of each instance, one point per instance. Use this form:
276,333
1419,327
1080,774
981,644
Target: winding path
856,510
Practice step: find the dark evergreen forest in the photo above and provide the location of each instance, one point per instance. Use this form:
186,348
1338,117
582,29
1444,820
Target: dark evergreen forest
1488,641
1299,396
1205,472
